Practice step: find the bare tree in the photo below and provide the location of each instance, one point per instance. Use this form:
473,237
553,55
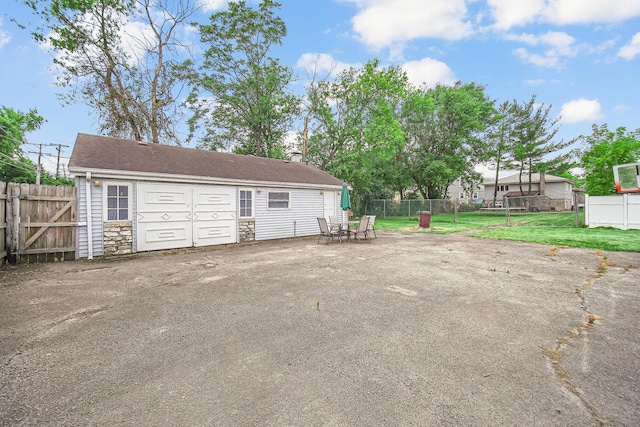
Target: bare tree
122,58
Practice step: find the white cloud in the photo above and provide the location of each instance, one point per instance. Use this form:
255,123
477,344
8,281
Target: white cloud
564,12
632,49
509,13
384,23
621,108
322,64
134,36
209,5
429,71
581,110
4,36
556,45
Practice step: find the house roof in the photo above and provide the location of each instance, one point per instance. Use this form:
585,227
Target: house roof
535,179
100,154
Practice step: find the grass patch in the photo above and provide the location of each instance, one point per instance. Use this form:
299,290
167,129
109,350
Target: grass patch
548,228
591,238
443,223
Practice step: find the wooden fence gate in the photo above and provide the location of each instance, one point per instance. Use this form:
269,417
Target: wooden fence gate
40,223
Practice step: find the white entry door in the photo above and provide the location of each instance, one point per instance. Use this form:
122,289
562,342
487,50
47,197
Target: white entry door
329,203
173,216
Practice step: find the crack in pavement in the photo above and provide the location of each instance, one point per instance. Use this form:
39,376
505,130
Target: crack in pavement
555,354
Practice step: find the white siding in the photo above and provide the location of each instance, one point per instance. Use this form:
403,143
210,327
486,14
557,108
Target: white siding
305,206
558,190
82,240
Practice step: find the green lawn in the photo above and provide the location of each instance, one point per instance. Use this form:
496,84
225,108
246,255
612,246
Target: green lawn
549,228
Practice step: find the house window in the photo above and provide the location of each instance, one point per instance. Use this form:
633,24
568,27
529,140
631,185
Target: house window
475,195
118,202
278,200
503,188
461,195
246,203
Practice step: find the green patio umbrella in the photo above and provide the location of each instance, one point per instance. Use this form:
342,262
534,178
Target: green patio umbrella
345,202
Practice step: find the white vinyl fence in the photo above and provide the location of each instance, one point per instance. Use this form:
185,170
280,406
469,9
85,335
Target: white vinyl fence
620,211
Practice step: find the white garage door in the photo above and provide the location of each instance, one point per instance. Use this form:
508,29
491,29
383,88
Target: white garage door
177,216
214,215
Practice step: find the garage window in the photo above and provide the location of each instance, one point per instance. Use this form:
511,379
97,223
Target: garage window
278,200
118,196
246,203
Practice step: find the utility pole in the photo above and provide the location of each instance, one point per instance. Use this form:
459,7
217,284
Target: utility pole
38,165
58,147
39,153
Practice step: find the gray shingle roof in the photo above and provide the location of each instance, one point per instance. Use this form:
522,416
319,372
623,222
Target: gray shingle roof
535,179
100,153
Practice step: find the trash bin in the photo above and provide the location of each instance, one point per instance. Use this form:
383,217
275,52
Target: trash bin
425,219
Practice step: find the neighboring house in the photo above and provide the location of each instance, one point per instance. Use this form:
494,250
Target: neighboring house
464,194
136,196
551,192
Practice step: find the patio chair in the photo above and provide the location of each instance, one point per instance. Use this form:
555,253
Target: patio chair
361,229
326,231
372,221
335,223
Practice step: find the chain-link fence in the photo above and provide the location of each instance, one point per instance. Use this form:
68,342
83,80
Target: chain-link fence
387,208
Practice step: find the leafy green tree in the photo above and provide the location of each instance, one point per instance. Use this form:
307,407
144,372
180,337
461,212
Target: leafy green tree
533,146
133,87
14,166
499,136
444,127
604,150
240,96
356,133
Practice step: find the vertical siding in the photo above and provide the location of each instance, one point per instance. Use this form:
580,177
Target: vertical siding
134,216
82,239
305,206
81,215
97,218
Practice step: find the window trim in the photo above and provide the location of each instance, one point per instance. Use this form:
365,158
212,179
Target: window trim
105,205
288,193
253,202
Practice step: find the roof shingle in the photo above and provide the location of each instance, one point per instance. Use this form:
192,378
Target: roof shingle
92,153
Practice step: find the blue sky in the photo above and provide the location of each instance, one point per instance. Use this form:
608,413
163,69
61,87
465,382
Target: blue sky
582,57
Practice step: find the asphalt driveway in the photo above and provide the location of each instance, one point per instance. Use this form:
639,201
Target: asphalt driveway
407,329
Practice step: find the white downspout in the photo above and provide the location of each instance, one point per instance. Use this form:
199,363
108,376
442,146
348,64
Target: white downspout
89,219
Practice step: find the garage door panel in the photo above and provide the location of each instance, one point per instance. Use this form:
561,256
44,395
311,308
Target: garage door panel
163,199
215,234
174,234
206,198
164,217
214,216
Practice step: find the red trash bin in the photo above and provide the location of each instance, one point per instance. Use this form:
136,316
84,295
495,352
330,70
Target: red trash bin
425,219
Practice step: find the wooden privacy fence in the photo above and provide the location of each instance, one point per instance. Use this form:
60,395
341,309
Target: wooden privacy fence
39,222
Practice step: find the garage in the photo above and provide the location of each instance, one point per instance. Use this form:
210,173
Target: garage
178,216
134,196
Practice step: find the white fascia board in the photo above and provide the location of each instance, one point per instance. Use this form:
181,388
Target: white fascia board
190,179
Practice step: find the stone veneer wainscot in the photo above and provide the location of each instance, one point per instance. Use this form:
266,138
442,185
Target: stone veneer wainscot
118,238
247,230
